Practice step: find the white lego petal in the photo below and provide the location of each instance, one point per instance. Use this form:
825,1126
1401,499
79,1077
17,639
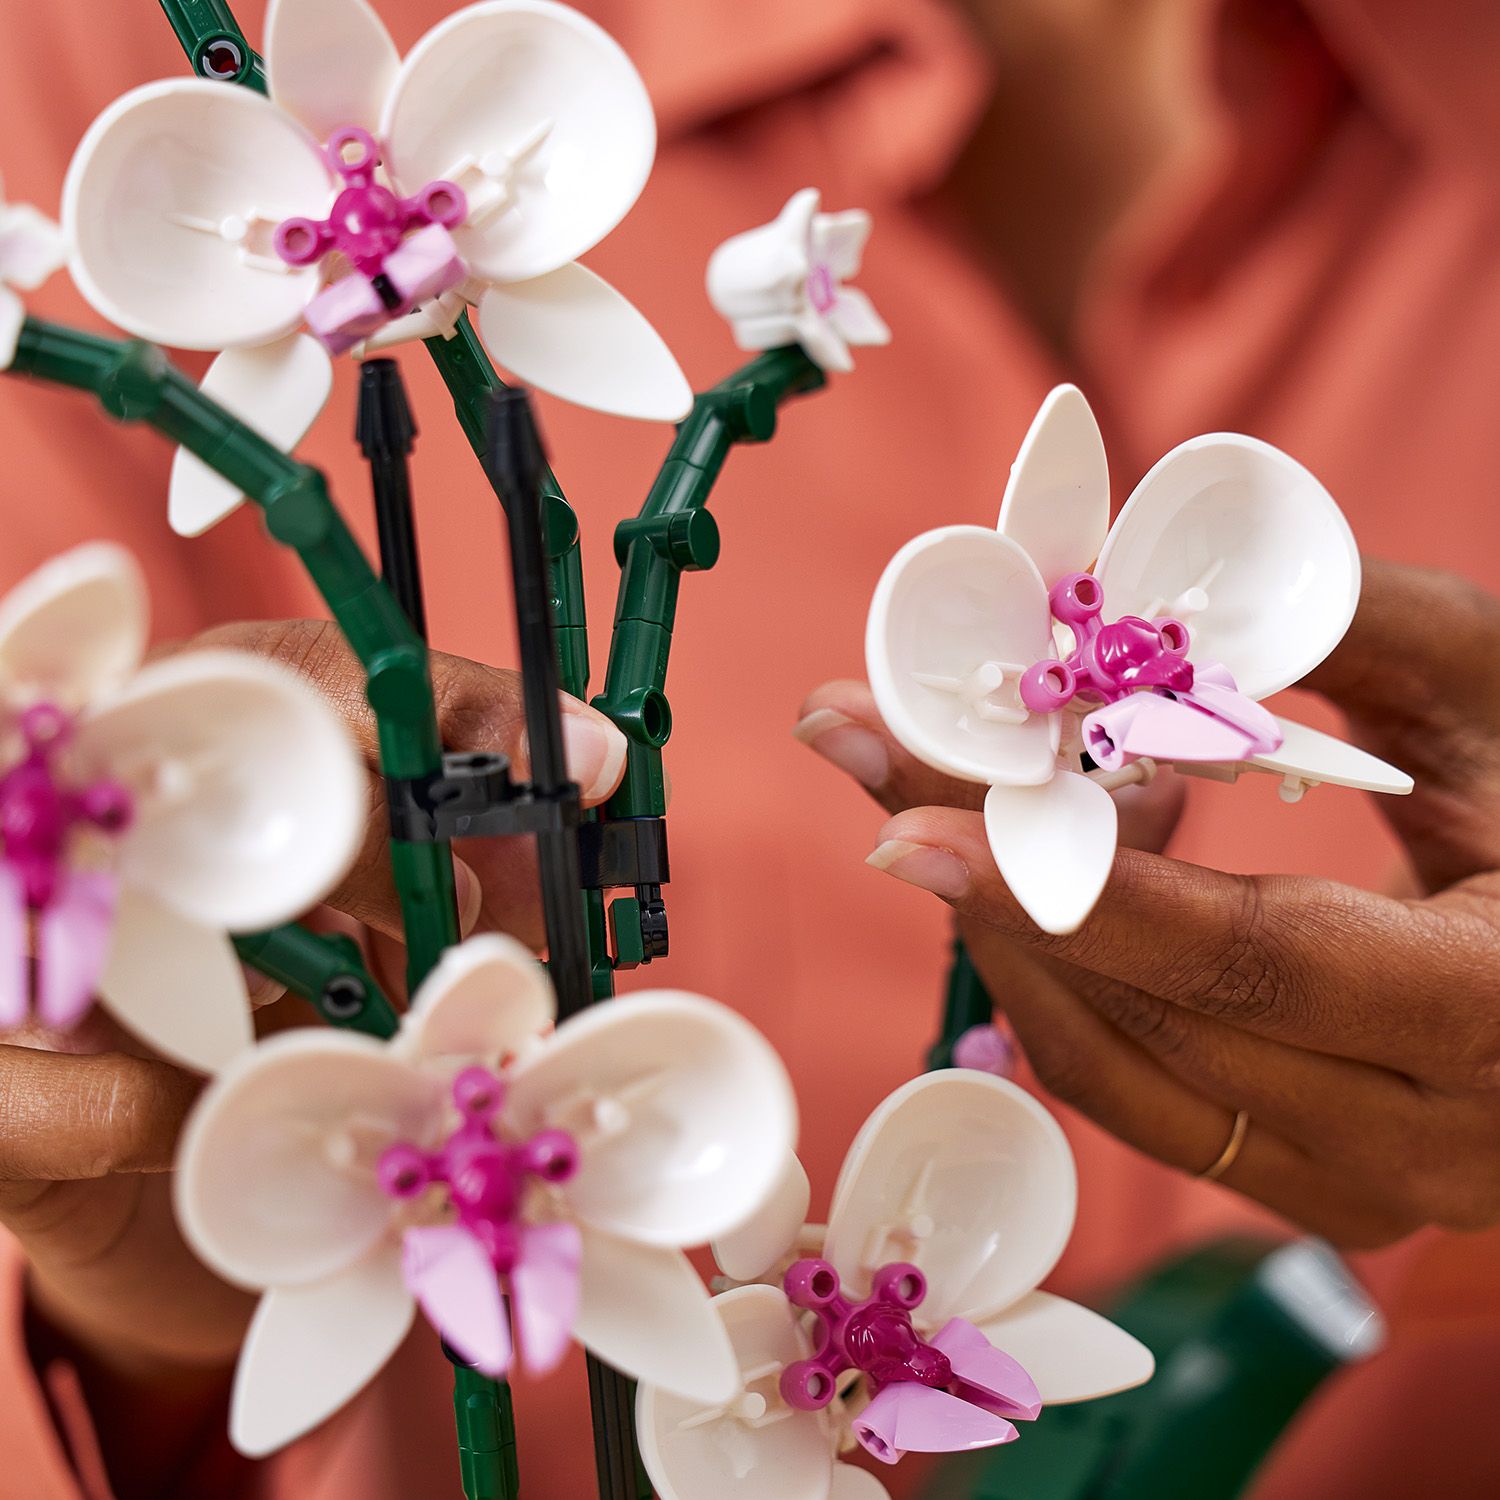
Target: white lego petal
170,206
32,247
855,318
838,241
485,999
311,1349
276,1170
967,1177
277,389
1054,846
12,317
176,984
757,280
821,340
643,1310
572,334
760,1243
959,614
751,1447
250,800
1070,1352
74,628
1247,547
539,116
329,63
1312,758
683,1115
1056,504
850,1483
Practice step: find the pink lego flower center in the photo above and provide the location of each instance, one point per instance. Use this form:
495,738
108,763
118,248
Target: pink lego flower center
822,289
486,1177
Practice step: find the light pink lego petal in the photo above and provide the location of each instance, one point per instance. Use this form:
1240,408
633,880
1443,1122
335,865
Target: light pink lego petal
278,389
1318,759
312,1348
959,614
32,247
682,1112
937,1166
1071,1353
1148,724
573,335
170,206
1056,504
1244,544
76,627
545,1288
176,984
251,800
912,1418
838,240
999,1381
73,940
12,316
856,320
329,63
538,86
1257,724
15,964
486,998
645,1311
276,1170
1054,846
697,1450
446,1269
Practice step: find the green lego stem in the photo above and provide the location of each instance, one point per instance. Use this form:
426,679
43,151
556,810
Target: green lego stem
966,1004
200,24
674,533
307,963
136,382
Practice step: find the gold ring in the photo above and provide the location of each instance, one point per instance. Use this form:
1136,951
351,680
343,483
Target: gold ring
1231,1151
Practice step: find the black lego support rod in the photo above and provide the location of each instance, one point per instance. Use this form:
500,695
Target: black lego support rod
517,466
386,433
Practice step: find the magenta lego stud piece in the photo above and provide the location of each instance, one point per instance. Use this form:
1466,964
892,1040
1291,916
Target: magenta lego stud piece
400,248
71,912
953,1391
986,1049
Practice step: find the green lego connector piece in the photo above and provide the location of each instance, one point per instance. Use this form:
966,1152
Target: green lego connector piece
1243,1332
486,1422
135,382
326,969
966,1004
672,535
214,43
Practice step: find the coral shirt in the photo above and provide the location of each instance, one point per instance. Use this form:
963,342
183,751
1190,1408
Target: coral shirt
1332,284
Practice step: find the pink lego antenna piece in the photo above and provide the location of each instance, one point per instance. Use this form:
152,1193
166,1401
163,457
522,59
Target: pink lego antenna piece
400,248
487,1180
876,1336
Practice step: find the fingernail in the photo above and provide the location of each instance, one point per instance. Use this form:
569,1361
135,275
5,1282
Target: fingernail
595,751
853,749
468,894
261,988
936,870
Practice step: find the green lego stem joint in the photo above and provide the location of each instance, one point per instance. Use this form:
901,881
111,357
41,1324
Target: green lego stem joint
327,970
214,43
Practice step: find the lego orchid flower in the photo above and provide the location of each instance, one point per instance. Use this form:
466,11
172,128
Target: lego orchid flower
147,811
472,1157
954,1203
994,657
784,283
31,249
369,197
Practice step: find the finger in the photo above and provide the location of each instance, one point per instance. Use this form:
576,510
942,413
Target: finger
479,709
1121,1087
841,723
1308,962
1418,677
66,1117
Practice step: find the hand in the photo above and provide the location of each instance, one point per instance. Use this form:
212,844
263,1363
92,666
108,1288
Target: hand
1361,1032
88,1122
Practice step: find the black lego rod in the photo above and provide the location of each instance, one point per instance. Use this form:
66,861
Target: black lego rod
517,467
386,433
